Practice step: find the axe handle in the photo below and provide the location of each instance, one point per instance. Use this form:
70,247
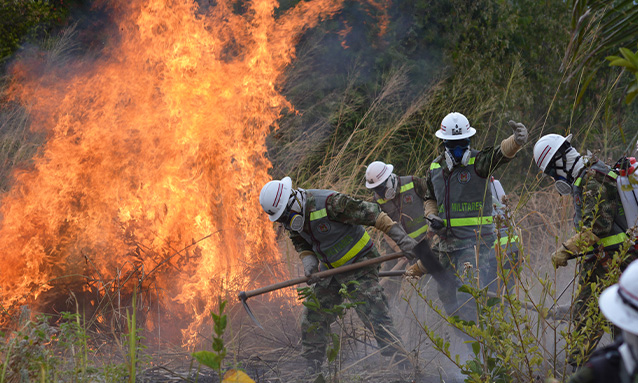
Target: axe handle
322,274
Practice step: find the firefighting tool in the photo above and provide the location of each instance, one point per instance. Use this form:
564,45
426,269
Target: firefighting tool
422,251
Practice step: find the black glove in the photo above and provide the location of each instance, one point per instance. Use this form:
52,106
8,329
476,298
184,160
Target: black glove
436,223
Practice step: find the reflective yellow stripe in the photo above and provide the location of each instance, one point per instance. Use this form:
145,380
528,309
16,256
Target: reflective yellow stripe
403,189
315,215
407,187
471,161
473,221
354,251
610,241
435,165
415,234
610,174
505,240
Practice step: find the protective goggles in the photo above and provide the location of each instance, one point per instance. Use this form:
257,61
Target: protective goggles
453,144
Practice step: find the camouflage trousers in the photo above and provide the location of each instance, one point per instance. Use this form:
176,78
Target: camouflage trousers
372,309
462,263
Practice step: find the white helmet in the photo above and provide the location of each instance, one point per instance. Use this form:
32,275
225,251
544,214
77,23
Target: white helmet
546,148
619,302
274,197
455,126
376,174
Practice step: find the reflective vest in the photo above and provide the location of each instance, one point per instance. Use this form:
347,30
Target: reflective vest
464,200
407,208
617,236
334,243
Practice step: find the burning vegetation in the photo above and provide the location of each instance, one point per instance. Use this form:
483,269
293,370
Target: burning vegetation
153,161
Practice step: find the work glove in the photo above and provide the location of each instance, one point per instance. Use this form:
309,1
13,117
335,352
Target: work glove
405,243
310,266
561,256
520,132
414,272
436,223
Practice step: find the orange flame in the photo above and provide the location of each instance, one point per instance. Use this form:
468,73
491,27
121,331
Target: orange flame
155,154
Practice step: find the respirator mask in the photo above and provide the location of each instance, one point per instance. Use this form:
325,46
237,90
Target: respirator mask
293,217
457,152
388,189
557,169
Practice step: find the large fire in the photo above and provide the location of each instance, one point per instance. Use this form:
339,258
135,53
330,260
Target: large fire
155,156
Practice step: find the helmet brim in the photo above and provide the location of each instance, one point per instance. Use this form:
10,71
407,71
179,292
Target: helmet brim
439,133
285,195
618,313
382,180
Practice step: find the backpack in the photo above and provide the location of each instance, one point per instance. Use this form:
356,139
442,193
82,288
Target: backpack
627,184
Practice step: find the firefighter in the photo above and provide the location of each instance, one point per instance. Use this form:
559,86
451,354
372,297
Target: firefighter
458,203
400,197
599,220
618,362
327,230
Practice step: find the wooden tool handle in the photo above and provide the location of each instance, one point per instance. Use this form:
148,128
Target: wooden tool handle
322,274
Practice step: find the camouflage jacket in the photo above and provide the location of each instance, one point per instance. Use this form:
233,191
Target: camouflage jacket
340,208
486,161
600,204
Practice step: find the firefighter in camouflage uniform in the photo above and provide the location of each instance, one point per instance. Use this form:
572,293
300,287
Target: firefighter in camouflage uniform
458,204
327,231
599,220
400,197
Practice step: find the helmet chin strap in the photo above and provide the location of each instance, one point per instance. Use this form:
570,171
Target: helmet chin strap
565,176
297,217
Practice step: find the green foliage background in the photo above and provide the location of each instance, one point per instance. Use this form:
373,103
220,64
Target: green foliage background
488,59
23,21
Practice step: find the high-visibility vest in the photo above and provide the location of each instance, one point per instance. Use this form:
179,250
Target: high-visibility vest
616,236
464,200
406,208
334,243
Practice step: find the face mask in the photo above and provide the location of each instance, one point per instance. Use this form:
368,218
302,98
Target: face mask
457,148
293,219
388,190
563,187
